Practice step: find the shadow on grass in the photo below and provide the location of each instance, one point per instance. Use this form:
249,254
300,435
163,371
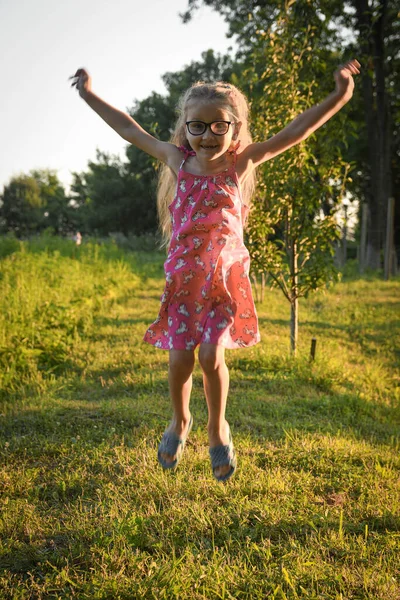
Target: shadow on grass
117,323
100,412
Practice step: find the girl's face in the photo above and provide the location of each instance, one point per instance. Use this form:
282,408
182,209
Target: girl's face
210,144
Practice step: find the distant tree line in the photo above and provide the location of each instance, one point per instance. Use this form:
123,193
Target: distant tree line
113,195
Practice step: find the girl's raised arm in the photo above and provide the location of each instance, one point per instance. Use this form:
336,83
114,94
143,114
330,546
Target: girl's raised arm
123,124
307,122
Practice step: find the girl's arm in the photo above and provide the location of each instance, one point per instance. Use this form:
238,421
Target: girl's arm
307,122
124,125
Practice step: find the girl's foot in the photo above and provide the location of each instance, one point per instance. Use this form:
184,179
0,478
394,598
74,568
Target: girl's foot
219,437
180,429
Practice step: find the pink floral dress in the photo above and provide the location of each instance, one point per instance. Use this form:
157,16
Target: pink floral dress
207,296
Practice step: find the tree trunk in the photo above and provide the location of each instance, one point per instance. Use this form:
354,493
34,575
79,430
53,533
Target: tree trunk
378,123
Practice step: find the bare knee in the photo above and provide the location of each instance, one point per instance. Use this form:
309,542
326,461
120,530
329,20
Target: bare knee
181,362
211,357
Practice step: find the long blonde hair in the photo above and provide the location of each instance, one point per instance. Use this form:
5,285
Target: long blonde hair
236,104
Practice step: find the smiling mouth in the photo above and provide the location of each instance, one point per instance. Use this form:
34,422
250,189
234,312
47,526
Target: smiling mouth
208,147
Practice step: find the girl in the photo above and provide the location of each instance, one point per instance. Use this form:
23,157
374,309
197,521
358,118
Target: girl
203,201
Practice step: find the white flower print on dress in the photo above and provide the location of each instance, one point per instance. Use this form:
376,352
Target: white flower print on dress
158,344
200,227
170,321
191,201
182,310
210,203
223,324
184,219
204,185
210,247
182,327
182,293
223,225
230,181
242,290
221,192
211,314
198,215
188,276
249,331
190,344
182,185
197,242
180,263
199,262
246,314
207,335
199,327
199,307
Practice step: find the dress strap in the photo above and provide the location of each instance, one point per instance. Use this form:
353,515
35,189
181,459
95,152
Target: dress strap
234,154
187,153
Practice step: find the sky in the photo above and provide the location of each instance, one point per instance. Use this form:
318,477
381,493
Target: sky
126,45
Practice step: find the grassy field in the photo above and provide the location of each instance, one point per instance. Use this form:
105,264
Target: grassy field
86,511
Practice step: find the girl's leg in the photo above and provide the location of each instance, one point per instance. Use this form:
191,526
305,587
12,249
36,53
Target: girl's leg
216,386
181,364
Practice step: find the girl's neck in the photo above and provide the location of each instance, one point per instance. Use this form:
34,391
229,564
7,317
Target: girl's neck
199,166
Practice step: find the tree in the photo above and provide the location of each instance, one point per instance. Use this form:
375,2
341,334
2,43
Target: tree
31,203
22,206
292,228
374,39
106,198
57,212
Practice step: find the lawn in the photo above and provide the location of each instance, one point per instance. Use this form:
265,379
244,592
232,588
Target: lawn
313,511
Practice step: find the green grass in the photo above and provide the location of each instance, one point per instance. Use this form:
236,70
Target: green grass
86,511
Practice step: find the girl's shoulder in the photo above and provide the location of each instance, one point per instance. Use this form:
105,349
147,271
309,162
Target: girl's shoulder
244,163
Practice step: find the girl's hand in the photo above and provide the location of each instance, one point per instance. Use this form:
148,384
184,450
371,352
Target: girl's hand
344,79
82,81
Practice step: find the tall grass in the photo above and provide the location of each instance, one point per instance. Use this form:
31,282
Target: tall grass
50,292
86,511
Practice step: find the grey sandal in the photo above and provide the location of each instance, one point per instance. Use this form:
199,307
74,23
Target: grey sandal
221,456
172,444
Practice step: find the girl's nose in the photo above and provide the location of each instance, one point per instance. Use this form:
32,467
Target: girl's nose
208,134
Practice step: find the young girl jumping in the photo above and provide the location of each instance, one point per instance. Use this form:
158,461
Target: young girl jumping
203,202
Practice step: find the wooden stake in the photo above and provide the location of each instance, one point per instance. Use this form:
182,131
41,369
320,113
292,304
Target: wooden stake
313,348
389,239
363,241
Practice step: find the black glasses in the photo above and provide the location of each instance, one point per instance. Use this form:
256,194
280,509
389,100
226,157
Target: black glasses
199,127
